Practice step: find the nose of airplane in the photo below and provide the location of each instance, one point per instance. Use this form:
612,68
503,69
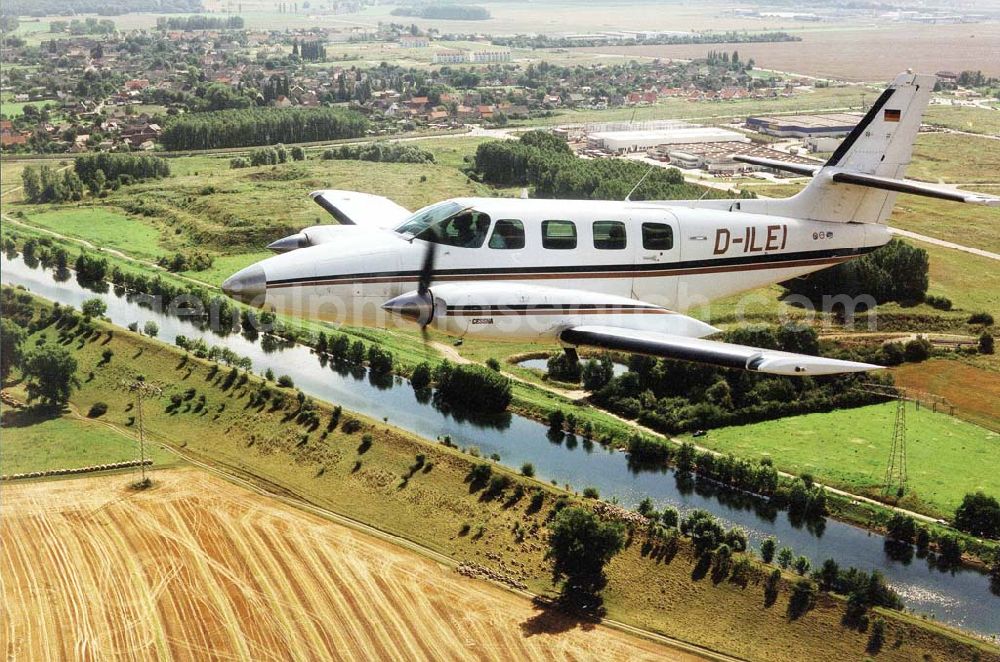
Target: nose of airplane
247,286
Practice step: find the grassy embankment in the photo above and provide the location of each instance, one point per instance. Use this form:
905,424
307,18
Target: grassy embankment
383,483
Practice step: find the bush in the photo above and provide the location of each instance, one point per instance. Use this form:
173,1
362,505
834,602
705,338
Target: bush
285,381
941,303
979,515
591,493
877,637
986,343
528,469
475,388
556,419
785,557
981,318
917,350
97,409
563,368
421,377
93,307
767,548
151,328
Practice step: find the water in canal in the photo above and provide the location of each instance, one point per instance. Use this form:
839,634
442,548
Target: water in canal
960,597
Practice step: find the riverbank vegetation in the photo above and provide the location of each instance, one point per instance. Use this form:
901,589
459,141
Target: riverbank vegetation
434,495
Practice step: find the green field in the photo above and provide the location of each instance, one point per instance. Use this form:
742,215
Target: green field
973,120
946,457
66,443
102,227
825,99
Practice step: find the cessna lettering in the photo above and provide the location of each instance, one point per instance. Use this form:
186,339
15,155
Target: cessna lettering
771,238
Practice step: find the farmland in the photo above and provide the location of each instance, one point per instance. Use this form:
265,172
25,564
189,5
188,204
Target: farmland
849,450
847,53
200,566
974,390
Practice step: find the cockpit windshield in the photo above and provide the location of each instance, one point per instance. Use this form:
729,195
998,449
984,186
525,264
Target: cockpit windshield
427,216
448,223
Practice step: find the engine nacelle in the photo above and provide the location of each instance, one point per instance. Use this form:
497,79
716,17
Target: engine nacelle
517,312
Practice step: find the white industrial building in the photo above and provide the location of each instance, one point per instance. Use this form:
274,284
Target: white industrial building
610,138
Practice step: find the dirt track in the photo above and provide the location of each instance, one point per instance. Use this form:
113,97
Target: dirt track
198,568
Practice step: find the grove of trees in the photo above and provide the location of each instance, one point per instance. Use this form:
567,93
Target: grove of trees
385,152
546,163
261,126
894,272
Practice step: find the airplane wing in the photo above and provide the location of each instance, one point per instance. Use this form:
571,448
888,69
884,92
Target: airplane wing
354,208
712,352
518,312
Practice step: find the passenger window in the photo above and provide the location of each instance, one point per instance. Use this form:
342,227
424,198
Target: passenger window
559,235
508,233
609,235
657,237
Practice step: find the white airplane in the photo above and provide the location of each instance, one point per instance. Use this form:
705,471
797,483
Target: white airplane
613,275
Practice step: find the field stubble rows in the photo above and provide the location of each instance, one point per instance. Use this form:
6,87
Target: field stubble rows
198,568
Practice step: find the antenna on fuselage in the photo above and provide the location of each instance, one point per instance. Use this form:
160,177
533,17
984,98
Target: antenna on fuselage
628,198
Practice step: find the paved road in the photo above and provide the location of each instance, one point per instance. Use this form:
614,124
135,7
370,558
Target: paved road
946,244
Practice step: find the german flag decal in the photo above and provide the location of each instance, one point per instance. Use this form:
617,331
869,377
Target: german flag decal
891,115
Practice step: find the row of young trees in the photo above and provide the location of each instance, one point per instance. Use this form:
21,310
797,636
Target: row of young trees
445,12
384,152
261,126
268,156
314,50
546,163
199,22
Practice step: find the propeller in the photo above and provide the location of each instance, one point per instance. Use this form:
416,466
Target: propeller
418,306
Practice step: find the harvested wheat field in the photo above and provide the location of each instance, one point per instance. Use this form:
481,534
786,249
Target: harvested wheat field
198,568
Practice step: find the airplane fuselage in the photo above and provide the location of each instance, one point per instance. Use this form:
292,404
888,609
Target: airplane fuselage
673,256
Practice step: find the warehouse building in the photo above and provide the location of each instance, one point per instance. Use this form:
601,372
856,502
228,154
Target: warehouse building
614,140
717,158
805,126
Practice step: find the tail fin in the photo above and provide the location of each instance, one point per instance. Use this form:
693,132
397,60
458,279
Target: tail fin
880,145
860,181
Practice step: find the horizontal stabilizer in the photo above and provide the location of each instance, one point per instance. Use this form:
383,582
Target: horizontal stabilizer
797,168
711,352
353,208
915,188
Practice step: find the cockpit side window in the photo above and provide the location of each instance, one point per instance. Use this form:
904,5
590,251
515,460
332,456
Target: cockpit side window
466,229
508,233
